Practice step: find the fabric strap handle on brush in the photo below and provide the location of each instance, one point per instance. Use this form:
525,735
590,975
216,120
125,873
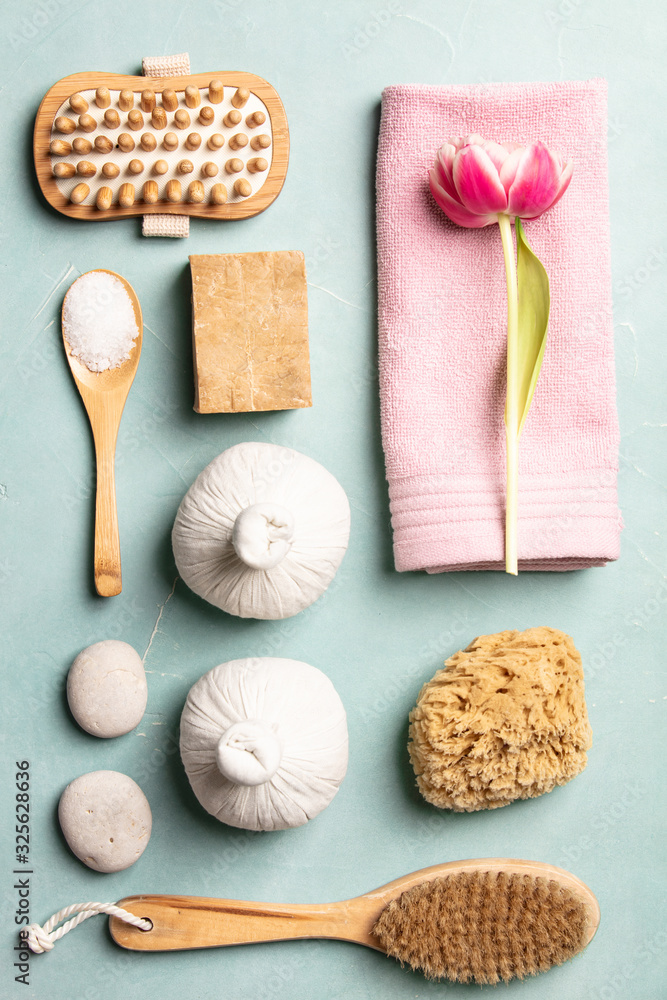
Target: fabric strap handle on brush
166,225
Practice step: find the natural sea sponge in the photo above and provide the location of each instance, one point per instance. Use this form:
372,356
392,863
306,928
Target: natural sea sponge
506,719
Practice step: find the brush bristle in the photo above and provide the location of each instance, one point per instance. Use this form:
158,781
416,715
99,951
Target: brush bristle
483,926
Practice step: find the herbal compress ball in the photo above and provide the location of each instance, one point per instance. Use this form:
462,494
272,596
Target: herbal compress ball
264,742
506,719
261,531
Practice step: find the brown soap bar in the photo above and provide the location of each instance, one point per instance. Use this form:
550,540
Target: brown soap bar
250,332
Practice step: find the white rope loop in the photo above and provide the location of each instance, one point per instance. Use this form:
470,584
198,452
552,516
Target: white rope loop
41,939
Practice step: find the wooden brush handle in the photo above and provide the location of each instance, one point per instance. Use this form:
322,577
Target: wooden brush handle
196,922
108,581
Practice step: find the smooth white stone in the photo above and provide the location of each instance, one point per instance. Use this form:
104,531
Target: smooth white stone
106,688
106,820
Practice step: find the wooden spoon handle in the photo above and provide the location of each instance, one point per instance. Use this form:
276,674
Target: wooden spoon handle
197,922
108,581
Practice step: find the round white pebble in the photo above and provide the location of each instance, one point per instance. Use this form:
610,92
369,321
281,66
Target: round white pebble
106,688
106,820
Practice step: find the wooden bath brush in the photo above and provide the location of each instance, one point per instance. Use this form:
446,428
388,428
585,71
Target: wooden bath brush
213,145
481,921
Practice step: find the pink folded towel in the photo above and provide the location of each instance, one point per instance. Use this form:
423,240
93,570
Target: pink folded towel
442,340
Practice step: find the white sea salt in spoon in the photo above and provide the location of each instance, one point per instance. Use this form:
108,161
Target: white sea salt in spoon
102,316
99,321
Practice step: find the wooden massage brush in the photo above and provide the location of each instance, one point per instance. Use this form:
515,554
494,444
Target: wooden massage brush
480,921
214,145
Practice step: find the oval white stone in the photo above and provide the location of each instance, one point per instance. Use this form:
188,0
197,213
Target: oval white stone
106,820
106,688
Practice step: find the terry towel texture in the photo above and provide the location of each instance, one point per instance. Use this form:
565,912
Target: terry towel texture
442,340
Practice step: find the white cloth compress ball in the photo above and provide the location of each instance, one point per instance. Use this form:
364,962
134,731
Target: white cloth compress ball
264,742
261,531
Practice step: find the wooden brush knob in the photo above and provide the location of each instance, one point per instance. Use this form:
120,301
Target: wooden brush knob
256,119
262,141
111,118
126,100
215,91
126,196
110,170
234,166
209,169
150,192
242,187
185,167
169,100
196,192
81,146
87,123
159,118
103,144
257,164
193,141
148,142
135,167
64,170
64,124
147,100
173,191
182,118
135,120
79,194
104,198
58,147
218,194
216,141
170,141
85,168
206,115
240,98
78,104
238,141
160,167
126,142
231,118
192,96
102,97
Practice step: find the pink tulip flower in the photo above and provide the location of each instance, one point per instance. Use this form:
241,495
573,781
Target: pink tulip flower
478,183
475,180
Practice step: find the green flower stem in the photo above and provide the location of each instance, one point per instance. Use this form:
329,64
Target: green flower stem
512,407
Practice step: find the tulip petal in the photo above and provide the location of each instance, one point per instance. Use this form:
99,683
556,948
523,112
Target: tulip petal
477,182
453,208
564,181
535,183
443,165
496,153
509,167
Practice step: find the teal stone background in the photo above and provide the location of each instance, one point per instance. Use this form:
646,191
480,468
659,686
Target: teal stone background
378,635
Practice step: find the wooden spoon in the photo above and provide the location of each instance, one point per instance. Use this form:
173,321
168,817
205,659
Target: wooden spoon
181,922
104,395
